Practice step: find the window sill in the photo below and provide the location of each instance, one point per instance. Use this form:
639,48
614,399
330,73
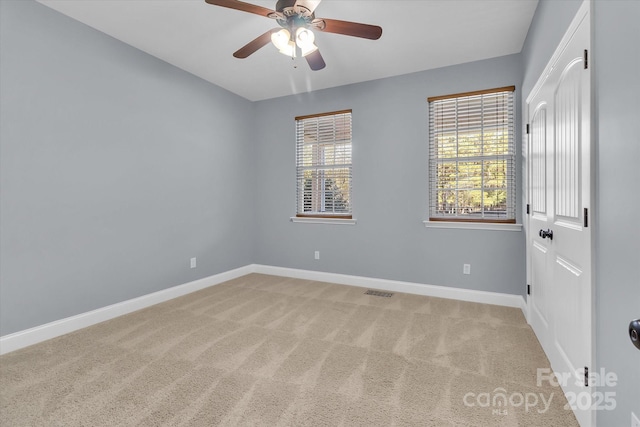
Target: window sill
332,221
473,225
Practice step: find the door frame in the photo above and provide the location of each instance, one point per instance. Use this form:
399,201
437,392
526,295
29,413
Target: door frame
584,10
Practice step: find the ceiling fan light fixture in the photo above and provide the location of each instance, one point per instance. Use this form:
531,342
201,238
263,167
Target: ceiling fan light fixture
304,40
282,40
296,17
289,49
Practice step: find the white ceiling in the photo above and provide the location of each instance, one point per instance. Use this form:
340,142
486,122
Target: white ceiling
417,35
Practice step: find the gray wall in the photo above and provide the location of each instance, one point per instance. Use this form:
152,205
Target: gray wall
116,168
616,61
617,64
390,156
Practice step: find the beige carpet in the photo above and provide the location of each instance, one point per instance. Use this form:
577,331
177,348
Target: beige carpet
271,351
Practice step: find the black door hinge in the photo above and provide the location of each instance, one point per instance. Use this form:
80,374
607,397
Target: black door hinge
586,376
528,289
527,128
586,217
528,209
586,59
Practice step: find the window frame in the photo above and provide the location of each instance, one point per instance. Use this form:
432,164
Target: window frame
323,216
509,158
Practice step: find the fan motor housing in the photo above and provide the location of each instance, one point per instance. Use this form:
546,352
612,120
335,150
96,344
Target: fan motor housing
294,8
291,15
283,4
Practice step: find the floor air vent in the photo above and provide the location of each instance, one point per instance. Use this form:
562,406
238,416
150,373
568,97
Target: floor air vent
378,293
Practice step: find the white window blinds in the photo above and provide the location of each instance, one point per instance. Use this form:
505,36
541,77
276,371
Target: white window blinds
323,164
472,156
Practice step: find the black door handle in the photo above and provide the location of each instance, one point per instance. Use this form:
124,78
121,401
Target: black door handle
634,332
548,233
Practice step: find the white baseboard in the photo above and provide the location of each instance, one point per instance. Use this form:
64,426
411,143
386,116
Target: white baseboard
21,339
483,297
54,329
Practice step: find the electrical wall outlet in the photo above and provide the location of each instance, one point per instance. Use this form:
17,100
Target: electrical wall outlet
466,269
635,422
193,262
316,255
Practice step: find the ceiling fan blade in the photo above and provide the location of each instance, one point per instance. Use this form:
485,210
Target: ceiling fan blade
355,29
254,45
315,61
245,7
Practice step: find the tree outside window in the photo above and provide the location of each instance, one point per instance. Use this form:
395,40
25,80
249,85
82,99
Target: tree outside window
472,157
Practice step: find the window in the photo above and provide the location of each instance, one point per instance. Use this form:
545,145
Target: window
472,157
323,165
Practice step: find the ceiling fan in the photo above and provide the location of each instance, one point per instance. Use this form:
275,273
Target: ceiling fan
297,19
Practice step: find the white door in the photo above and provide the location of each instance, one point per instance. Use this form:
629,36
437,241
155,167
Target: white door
559,234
